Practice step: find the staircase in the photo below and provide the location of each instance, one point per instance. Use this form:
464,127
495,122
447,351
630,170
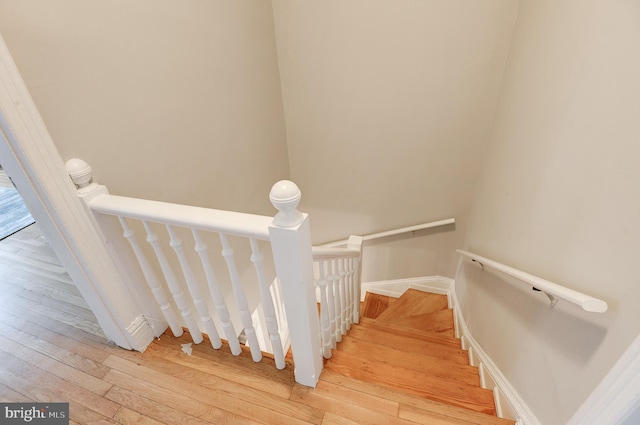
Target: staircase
408,345
401,360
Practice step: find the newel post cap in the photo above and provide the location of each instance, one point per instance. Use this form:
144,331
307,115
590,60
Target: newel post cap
285,197
79,171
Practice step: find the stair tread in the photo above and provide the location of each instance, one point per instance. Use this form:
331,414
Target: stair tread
375,304
414,302
440,321
419,362
411,401
434,349
451,392
420,334
405,349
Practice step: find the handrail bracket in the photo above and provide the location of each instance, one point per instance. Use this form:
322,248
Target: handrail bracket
552,299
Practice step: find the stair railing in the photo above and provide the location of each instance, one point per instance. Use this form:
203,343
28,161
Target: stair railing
337,280
553,290
182,301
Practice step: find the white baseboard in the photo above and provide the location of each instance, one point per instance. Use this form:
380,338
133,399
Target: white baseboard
395,288
141,333
509,405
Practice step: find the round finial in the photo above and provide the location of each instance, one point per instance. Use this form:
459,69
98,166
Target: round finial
285,196
79,171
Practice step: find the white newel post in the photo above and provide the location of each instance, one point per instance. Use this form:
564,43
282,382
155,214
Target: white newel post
290,236
139,332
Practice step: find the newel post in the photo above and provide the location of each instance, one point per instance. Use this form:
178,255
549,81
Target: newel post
114,282
82,176
290,236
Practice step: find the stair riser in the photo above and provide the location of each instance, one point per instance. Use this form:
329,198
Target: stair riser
414,302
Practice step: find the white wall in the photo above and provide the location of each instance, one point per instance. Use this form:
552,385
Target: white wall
388,105
173,101
558,198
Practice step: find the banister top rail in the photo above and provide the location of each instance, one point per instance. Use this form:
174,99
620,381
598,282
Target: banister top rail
394,232
587,302
326,253
229,222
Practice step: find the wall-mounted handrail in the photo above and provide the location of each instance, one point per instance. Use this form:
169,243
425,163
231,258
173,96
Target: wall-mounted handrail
587,302
395,232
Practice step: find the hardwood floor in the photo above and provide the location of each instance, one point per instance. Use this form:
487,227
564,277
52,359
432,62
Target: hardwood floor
4,179
52,350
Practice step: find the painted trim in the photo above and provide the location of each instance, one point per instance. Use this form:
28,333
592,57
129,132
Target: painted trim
141,332
509,405
508,402
395,288
618,394
32,160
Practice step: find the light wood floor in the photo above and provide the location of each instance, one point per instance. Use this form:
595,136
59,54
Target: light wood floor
4,179
51,349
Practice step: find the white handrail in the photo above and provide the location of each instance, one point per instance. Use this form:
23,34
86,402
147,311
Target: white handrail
587,302
325,253
394,232
230,222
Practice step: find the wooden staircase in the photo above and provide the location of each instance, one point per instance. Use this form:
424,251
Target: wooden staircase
408,345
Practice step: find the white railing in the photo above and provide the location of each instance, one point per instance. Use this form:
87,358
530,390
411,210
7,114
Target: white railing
553,290
337,279
199,299
395,232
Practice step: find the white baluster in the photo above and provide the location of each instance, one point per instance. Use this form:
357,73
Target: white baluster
152,279
192,285
277,300
356,290
344,299
351,301
216,295
325,321
174,286
355,242
338,293
331,302
241,300
290,237
267,305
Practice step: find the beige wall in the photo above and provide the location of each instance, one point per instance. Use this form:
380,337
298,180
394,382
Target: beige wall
388,106
559,198
174,101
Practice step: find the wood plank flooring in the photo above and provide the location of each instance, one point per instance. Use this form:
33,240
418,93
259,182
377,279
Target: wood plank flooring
4,179
52,349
